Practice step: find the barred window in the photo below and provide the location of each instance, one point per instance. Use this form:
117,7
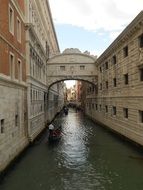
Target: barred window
125,112
141,74
125,51
114,110
114,82
140,116
62,68
141,41
114,59
2,126
126,79
106,109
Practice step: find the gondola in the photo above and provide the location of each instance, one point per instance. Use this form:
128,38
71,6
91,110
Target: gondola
54,135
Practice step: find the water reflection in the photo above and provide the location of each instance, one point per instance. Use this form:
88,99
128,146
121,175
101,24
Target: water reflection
86,158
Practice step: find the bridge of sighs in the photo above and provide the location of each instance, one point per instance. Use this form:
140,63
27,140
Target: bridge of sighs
72,65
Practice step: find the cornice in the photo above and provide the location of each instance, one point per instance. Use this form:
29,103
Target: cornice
6,41
6,81
74,54
31,80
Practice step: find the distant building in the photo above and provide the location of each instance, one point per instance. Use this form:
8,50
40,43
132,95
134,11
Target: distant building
71,94
78,92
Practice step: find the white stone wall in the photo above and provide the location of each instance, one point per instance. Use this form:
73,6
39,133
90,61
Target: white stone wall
55,100
119,106
13,137
71,66
38,14
41,43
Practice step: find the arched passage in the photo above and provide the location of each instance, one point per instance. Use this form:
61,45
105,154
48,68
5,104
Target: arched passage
76,79
74,95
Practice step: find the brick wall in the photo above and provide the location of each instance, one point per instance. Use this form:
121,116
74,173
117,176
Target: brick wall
8,41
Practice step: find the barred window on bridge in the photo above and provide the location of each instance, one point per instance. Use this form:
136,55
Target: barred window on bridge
62,68
82,67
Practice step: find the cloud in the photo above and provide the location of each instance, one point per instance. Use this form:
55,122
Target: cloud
93,15
114,34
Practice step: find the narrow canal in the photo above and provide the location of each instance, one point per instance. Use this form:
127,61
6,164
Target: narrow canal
87,157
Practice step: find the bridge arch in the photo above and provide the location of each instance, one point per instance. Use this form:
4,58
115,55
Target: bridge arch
71,65
66,79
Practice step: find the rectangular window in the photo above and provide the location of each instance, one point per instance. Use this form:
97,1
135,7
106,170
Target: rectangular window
33,70
140,116
18,30
100,69
106,109
106,84
106,65
92,106
47,49
31,95
126,79
16,120
11,66
114,110
125,51
11,20
125,112
114,60
114,82
96,107
141,41
19,70
82,67
141,74
25,117
62,68
2,126
100,107
100,86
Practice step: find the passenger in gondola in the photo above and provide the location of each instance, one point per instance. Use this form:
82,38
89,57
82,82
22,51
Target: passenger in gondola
57,132
66,110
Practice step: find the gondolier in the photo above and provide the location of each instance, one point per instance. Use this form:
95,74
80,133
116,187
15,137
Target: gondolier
54,133
51,127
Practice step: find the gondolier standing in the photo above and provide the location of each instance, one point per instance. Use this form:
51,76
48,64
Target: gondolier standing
54,133
51,130
51,127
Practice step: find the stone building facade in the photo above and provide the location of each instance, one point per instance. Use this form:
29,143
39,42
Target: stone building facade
118,102
28,98
13,107
78,93
27,41
41,43
55,100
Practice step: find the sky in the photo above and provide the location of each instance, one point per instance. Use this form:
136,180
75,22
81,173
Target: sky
92,25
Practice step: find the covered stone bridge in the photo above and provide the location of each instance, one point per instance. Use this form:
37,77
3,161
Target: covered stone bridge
72,65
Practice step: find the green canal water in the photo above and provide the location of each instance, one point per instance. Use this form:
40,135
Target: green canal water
87,157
